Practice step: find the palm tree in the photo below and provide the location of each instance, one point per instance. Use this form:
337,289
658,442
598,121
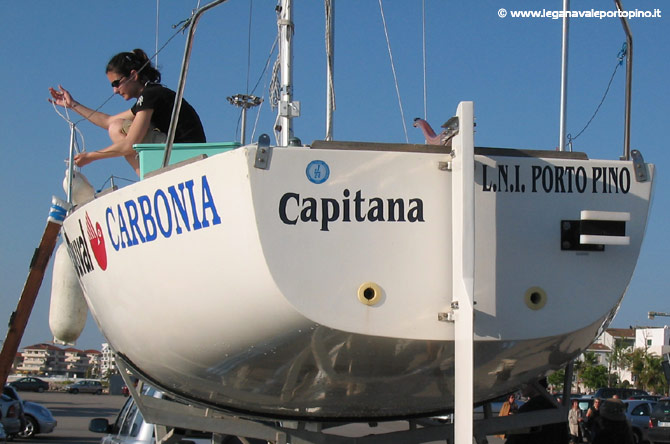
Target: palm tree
653,376
618,359
636,359
647,370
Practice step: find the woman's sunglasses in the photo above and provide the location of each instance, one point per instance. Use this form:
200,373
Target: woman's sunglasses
116,83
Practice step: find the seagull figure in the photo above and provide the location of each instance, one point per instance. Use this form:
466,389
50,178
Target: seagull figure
444,138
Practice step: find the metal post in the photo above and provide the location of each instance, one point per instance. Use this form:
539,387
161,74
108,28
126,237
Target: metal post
564,76
286,64
70,165
182,79
629,82
463,258
245,102
330,67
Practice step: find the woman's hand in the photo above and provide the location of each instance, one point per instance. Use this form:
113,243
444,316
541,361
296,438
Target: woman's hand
82,159
62,97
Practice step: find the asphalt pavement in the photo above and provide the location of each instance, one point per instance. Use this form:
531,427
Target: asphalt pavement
73,413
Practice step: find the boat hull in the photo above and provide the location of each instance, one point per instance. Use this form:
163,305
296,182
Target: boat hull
319,287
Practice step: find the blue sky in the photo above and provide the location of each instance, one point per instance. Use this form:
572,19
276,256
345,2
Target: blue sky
509,67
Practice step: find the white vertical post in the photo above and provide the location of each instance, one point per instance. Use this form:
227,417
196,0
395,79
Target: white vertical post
564,76
286,66
463,258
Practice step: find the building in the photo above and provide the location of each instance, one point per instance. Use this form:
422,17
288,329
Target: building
42,359
107,364
50,360
655,340
617,340
75,366
92,358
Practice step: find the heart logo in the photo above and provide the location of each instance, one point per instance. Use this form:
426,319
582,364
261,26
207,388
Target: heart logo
97,243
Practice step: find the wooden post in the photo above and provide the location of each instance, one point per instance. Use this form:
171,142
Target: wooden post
19,318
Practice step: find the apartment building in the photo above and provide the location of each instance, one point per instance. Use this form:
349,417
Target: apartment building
50,360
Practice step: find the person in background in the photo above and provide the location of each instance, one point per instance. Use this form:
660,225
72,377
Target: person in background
132,76
612,426
591,418
545,434
509,407
574,418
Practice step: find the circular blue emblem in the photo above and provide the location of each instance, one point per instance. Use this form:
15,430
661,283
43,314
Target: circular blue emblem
317,171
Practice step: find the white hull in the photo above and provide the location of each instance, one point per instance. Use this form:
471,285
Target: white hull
258,306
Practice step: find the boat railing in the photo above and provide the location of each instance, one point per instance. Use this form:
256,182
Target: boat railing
629,81
182,78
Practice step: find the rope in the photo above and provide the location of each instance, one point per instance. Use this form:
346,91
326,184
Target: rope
620,57
73,125
395,78
274,79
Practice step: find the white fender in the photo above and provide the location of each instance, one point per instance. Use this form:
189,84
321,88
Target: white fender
82,190
68,310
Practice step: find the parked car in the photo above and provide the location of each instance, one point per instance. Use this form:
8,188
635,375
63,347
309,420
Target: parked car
35,418
11,392
3,435
85,386
10,415
584,403
39,420
131,428
30,384
659,422
637,412
621,393
654,398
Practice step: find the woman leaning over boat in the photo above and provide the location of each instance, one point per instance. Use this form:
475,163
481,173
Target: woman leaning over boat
132,76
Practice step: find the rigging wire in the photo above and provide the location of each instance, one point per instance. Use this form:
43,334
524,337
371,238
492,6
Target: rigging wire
184,24
620,58
158,7
111,180
73,125
251,5
395,77
262,75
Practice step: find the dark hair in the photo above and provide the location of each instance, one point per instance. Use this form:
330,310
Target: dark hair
124,62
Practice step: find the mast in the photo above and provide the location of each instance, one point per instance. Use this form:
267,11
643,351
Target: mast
564,76
287,108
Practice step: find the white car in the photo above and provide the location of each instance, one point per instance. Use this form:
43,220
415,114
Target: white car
131,428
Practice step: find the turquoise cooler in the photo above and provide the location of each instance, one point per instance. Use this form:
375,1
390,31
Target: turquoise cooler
151,154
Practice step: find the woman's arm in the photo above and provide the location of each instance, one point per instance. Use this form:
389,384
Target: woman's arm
123,147
63,98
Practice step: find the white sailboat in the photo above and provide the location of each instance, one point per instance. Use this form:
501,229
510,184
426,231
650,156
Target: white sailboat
322,281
